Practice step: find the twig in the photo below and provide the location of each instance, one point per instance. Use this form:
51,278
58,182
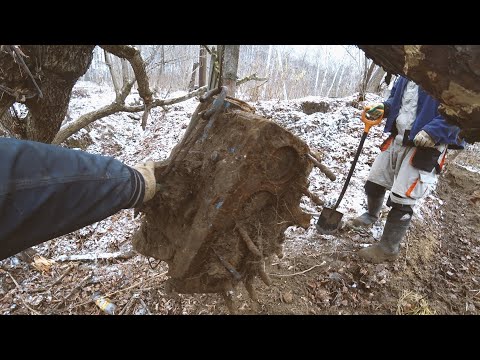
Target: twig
16,51
38,290
80,285
70,268
145,306
14,281
127,306
122,290
301,272
20,296
135,285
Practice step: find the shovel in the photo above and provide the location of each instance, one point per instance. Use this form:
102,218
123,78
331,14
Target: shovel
330,219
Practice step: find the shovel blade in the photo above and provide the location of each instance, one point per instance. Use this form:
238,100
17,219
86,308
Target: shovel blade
329,221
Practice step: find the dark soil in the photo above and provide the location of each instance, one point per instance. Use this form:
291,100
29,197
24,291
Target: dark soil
437,272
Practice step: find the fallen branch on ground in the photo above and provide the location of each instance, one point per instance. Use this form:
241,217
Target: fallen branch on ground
299,273
101,256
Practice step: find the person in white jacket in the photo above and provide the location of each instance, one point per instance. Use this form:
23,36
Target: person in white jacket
409,163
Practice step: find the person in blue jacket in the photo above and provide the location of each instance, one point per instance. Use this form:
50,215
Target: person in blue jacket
47,191
408,165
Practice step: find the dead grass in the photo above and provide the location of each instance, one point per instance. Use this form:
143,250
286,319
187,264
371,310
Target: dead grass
411,303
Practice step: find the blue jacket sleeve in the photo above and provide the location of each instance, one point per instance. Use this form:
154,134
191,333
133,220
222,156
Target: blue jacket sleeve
441,131
388,103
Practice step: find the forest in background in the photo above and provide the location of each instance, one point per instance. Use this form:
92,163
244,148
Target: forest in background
286,72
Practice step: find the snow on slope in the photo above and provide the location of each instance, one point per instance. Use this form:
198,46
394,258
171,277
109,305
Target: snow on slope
335,134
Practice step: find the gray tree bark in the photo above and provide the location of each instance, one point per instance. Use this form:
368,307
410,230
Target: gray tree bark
202,72
230,68
56,69
113,74
191,84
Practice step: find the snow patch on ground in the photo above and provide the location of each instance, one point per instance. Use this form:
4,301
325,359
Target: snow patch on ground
334,134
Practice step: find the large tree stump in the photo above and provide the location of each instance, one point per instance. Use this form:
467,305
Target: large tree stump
232,189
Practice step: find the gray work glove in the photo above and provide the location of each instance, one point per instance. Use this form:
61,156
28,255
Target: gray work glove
147,170
423,139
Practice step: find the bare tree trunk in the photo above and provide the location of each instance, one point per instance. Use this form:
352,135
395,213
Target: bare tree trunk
230,68
340,80
376,80
162,60
125,72
215,67
202,72
267,74
333,82
324,74
316,77
282,75
115,80
366,78
56,69
191,85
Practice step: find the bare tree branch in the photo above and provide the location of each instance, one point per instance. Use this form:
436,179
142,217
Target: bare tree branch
18,54
253,77
165,102
139,68
119,106
74,126
138,65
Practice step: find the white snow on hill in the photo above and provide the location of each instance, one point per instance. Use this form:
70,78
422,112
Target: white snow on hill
334,133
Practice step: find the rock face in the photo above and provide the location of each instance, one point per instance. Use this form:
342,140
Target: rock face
450,73
229,190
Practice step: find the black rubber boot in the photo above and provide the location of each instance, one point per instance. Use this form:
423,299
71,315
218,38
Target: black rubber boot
368,218
375,196
388,248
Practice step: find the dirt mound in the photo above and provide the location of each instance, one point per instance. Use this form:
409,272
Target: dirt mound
310,107
229,190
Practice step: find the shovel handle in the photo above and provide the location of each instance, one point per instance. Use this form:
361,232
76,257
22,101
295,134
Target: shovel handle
369,123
